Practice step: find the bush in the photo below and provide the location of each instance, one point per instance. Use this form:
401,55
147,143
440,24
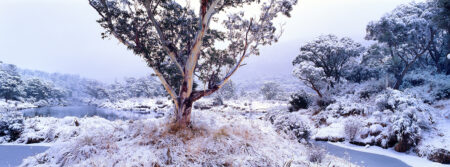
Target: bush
316,154
293,126
351,129
299,101
217,101
443,93
324,102
405,127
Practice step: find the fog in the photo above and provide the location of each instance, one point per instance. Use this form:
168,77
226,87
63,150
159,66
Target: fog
63,36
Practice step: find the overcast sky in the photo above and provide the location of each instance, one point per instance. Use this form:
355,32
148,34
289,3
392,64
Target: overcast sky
63,36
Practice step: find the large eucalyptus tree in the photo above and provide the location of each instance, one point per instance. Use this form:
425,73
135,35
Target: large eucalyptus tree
183,46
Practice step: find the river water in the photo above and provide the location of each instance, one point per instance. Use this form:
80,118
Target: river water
361,158
12,155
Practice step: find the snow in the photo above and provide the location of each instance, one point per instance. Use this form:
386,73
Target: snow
334,130
214,139
14,105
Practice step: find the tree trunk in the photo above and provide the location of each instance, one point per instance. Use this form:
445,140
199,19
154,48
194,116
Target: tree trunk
399,80
317,90
183,113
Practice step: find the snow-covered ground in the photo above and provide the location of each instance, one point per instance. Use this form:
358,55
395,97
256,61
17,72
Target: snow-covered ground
376,127
215,139
14,105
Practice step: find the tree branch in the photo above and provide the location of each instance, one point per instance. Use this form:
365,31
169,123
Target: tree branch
206,12
164,42
110,25
166,86
244,54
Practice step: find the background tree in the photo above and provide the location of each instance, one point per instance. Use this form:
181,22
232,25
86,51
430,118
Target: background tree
441,13
330,54
371,65
38,89
410,34
95,89
11,84
270,90
312,76
228,91
180,45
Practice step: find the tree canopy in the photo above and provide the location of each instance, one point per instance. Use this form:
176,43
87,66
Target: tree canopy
183,46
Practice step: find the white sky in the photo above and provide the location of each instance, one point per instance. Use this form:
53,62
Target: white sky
63,36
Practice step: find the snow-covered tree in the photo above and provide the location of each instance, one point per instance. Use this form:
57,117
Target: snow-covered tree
270,90
11,84
441,10
330,54
116,91
410,34
312,76
41,90
371,65
228,91
143,87
180,44
95,89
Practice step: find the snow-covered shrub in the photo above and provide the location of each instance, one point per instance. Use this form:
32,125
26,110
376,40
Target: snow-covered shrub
436,85
324,102
370,88
443,93
316,154
405,127
293,126
352,128
217,101
11,126
299,101
408,117
270,90
398,102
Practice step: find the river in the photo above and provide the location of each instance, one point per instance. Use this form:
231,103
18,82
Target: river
361,158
